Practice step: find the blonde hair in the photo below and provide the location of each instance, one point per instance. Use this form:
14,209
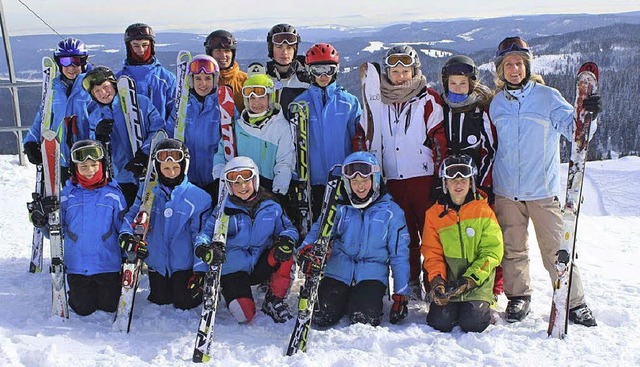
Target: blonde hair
499,80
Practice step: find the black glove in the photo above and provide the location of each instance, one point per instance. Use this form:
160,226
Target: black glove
592,104
399,310
138,164
104,129
40,208
439,292
32,150
309,262
462,285
283,249
194,284
131,244
213,254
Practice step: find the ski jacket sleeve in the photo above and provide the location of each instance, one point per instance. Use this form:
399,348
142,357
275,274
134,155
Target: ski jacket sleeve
285,157
398,246
436,136
489,145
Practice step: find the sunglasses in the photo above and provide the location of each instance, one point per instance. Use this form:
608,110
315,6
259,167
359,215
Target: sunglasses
285,37
166,155
241,175
364,169
399,59
72,60
82,154
256,90
198,66
458,170
221,43
323,69
512,44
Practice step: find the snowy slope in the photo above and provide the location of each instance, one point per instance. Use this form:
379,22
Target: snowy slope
162,336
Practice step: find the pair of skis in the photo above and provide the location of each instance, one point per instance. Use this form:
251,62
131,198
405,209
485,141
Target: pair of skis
299,119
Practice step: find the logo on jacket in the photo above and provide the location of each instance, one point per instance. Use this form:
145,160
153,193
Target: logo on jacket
470,232
168,212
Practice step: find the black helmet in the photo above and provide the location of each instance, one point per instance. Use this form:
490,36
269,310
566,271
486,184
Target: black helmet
139,31
88,149
460,165
97,76
171,150
289,35
221,39
459,65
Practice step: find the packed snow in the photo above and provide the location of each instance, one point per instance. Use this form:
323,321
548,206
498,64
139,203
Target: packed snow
609,229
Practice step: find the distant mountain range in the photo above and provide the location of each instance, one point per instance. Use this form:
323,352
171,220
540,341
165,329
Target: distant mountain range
560,43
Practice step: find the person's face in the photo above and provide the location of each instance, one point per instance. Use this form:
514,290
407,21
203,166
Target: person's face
170,169
223,57
514,69
71,72
243,189
203,83
361,186
283,54
140,46
400,74
323,80
104,92
88,168
258,104
458,188
458,84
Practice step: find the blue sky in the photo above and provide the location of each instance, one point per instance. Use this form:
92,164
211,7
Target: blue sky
68,17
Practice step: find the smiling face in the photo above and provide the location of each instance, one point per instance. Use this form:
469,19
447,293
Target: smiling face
223,57
104,92
400,74
243,189
458,188
258,104
361,186
203,84
71,72
515,69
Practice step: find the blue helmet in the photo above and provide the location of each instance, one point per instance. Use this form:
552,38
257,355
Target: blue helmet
70,47
364,164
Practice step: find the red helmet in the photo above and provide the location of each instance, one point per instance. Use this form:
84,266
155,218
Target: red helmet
322,53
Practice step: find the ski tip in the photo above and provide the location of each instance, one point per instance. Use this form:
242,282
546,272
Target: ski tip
590,67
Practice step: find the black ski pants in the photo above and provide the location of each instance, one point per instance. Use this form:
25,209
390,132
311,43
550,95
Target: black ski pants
361,302
471,316
89,293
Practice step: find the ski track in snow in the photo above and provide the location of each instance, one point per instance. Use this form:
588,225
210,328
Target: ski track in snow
162,336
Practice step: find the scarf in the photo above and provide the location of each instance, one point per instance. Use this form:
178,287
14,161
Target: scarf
401,93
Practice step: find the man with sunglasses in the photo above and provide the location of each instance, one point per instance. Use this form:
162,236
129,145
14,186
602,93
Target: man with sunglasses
152,79
529,118
222,46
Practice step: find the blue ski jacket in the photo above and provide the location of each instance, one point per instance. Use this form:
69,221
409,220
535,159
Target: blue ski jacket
177,216
90,223
251,232
366,242
155,82
334,114
121,152
202,135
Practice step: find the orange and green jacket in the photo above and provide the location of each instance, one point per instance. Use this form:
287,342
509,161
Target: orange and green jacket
234,78
464,243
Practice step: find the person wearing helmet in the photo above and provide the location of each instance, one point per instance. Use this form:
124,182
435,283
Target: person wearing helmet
69,98
222,46
462,246
91,209
408,123
259,247
529,118
286,66
177,216
356,272
107,124
152,79
333,119
264,135
202,125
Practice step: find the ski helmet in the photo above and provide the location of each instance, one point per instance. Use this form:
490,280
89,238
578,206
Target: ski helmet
88,149
221,39
241,168
458,165
97,76
402,55
283,33
322,53
366,165
171,150
204,64
459,65
71,51
259,84
139,31
514,45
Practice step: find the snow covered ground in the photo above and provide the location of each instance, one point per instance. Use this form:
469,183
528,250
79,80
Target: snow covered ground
162,336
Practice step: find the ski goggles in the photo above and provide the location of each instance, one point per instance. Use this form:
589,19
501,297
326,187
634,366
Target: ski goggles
364,169
284,37
399,59
323,69
72,60
458,69
82,154
256,90
91,80
166,155
198,66
241,175
225,43
511,44
458,170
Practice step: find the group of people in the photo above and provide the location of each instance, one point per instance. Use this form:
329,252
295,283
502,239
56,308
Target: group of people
438,188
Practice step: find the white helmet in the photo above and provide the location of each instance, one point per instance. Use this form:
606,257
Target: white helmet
235,170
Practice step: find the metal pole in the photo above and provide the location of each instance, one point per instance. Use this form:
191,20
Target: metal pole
12,79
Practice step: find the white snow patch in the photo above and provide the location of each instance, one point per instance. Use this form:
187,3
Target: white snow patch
374,46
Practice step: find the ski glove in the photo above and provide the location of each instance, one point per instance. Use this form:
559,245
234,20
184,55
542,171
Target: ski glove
41,207
104,129
399,310
309,262
32,150
194,284
439,292
462,285
283,249
138,164
132,245
213,254
592,104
